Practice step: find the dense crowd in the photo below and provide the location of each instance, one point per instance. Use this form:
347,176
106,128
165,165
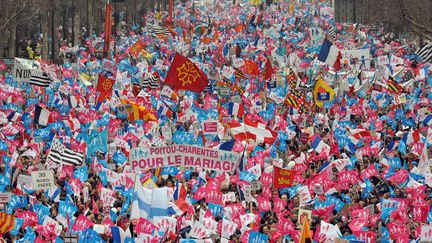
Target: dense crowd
356,136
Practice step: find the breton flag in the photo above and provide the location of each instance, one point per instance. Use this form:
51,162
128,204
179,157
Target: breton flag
330,54
425,52
332,33
159,30
150,81
62,155
252,130
41,116
39,78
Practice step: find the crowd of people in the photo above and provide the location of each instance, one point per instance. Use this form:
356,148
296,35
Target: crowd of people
352,136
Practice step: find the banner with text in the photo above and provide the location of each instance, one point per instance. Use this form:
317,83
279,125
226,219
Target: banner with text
145,158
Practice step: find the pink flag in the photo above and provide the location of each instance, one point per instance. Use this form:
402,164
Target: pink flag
285,226
82,223
399,177
325,212
264,204
369,172
30,218
398,231
357,224
144,226
266,178
279,205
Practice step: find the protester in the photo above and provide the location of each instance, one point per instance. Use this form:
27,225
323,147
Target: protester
236,122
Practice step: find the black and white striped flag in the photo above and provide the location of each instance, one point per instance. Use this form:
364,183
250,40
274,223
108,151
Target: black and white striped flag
62,155
159,30
332,34
425,52
150,81
39,78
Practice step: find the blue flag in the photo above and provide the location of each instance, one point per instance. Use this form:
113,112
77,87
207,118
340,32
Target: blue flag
255,237
98,143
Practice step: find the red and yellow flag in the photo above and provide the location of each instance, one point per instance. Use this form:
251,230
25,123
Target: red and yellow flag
7,223
185,75
139,112
104,87
282,177
138,48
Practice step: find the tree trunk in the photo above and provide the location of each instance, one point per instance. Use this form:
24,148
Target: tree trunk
91,14
45,29
76,22
56,18
97,11
13,36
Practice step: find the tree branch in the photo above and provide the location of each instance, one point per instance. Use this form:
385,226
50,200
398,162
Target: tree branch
411,21
13,17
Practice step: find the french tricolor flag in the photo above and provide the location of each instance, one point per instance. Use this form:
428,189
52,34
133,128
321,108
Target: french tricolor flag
236,109
319,146
330,54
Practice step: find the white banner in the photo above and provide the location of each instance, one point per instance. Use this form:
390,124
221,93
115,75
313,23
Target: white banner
145,158
42,180
355,58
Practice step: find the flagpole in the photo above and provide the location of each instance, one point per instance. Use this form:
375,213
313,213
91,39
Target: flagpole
171,9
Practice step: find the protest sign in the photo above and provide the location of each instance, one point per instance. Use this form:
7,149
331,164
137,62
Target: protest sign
42,180
210,127
22,69
5,197
183,155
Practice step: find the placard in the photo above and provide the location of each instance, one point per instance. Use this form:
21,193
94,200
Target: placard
255,185
22,69
225,91
42,180
236,99
400,99
5,197
210,127
426,233
302,215
99,228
